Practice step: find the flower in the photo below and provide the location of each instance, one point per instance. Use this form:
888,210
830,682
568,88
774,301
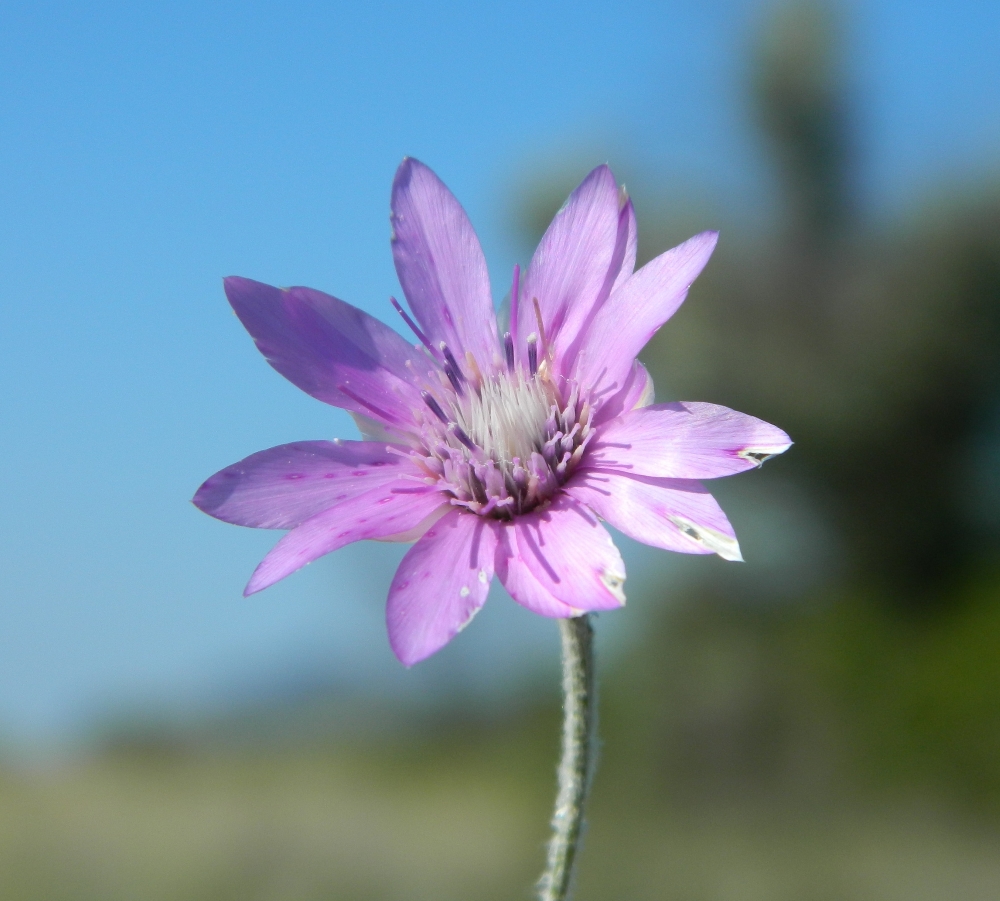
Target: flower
499,450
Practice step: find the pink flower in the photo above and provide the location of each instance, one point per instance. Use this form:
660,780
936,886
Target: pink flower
497,453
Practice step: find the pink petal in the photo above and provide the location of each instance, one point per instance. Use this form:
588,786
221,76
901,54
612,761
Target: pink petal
634,311
628,236
441,265
571,555
521,583
569,272
676,514
685,441
331,350
282,487
638,392
385,510
440,584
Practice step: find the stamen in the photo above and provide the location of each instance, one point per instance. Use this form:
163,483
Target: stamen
406,318
428,399
508,349
456,382
456,430
343,389
451,361
541,327
477,376
514,292
533,353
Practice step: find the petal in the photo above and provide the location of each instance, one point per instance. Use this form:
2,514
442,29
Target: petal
638,392
634,311
386,510
284,486
570,268
628,237
331,350
440,585
571,555
676,514
521,583
686,441
441,265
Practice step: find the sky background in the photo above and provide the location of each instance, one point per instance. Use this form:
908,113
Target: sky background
146,151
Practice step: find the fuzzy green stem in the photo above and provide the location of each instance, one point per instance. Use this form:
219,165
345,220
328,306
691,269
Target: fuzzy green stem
578,756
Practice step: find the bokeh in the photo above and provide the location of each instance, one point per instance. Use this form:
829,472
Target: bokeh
821,723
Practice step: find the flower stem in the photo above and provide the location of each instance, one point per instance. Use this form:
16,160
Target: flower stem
578,754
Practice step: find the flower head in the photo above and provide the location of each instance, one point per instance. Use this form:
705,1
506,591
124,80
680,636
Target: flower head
499,453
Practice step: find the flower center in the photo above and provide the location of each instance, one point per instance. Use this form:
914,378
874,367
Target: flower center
507,417
505,444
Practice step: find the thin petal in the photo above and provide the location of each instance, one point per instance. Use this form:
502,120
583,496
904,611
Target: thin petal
571,555
440,585
570,269
520,582
686,441
386,510
634,311
282,487
330,349
676,514
440,264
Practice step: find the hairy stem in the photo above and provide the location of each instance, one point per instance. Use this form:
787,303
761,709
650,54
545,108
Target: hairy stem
578,753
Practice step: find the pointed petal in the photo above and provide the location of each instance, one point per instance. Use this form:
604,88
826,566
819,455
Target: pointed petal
571,555
284,486
521,583
634,311
331,350
676,514
686,441
440,585
570,268
441,265
386,510
637,393
628,237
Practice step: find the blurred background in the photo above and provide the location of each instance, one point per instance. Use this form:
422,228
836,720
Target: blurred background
821,723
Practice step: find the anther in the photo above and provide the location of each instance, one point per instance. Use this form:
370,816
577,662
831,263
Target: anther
451,361
456,382
457,431
532,354
416,330
508,349
428,399
514,292
378,411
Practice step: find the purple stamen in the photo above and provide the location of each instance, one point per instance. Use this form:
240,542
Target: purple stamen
457,431
451,361
451,368
532,355
416,330
508,349
456,382
428,399
343,389
514,292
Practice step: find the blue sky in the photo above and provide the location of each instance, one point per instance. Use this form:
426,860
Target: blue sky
148,150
